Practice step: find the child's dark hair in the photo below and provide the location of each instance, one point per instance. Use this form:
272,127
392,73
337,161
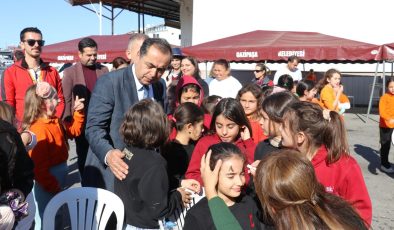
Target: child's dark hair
286,81
187,113
222,62
223,151
304,85
145,125
391,79
209,103
232,110
266,91
254,89
320,130
275,104
186,88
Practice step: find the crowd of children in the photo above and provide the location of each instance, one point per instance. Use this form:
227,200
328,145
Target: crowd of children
300,172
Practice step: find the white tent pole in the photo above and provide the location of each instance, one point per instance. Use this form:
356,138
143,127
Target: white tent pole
384,78
372,89
101,18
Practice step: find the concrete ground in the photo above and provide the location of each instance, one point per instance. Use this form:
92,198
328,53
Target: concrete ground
363,134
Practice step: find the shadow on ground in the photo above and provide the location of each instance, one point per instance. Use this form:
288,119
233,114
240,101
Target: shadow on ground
372,156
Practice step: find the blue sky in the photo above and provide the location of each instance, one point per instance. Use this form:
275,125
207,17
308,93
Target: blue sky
59,21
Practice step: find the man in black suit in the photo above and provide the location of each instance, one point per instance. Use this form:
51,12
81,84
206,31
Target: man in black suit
112,96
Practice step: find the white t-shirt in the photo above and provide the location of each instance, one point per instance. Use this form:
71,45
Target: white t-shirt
228,87
296,75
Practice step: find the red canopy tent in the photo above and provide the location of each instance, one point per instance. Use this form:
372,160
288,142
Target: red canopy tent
109,47
388,51
276,46
387,55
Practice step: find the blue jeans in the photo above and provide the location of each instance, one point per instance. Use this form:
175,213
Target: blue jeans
43,197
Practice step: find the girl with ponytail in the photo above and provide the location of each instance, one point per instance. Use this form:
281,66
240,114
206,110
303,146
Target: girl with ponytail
321,137
188,121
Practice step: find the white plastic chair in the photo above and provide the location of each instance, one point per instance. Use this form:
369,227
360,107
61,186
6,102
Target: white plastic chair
89,208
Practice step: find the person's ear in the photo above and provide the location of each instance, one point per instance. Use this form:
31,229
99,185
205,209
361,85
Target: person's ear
128,54
300,138
189,127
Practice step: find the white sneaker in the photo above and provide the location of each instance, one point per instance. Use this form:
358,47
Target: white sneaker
387,170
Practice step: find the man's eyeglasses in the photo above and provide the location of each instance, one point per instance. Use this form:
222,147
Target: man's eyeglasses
32,42
258,71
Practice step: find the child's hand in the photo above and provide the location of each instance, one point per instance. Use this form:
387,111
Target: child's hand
209,177
191,184
26,138
78,104
339,89
391,121
254,165
245,134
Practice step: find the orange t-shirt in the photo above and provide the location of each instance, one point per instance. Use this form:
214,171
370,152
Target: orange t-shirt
386,110
327,98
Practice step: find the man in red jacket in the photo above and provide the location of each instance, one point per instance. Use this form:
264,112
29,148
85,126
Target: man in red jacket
28,71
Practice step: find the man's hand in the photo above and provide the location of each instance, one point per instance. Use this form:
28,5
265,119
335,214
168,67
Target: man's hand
115,162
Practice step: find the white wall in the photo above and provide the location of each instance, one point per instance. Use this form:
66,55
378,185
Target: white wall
367,21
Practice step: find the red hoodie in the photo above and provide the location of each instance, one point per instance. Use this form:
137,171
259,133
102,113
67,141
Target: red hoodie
193,171
344,178
186,80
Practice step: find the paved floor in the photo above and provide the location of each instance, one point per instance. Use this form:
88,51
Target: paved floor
363,136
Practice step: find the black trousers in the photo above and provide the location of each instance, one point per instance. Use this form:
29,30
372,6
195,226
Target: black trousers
385,142
82,147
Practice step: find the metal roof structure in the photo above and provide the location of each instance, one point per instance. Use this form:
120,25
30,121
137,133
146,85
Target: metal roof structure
167,9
